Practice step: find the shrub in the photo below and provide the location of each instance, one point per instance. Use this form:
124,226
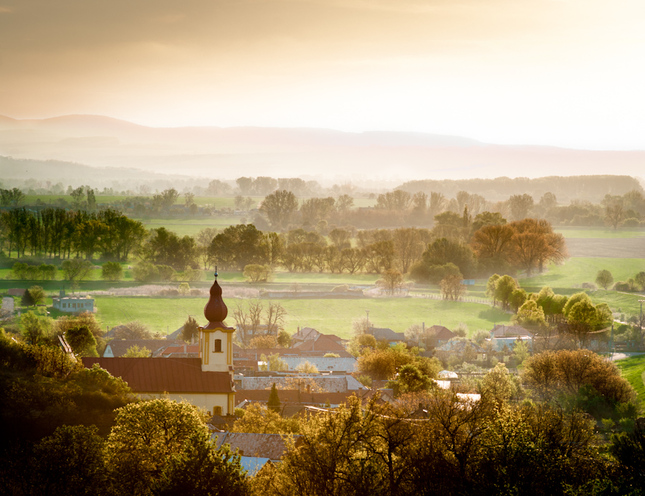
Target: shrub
111,271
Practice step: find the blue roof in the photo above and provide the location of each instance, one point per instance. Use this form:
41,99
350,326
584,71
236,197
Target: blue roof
252,464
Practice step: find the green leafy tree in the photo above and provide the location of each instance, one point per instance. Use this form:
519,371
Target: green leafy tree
604,279
257,273
146,437
82,341
36,329
70,461
504,287
203,470
279,207
76,270
284,339
112,271
260,419
37,294
410,380
274,401
27,300
145,272
273,362
190,330
239,246
530,315
135,352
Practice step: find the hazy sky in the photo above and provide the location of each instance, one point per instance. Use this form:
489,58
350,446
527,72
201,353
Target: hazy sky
559,72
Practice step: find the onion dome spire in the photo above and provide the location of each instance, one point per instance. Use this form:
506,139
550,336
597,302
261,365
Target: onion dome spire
215,310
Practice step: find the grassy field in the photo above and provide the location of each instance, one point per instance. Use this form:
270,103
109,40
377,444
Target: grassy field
328,315
633,369
579,270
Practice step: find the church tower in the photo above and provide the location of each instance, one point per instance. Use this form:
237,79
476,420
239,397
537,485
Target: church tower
215,339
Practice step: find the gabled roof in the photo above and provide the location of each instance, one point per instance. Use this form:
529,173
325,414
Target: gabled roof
440,332
305,334
169,375
321,343
178,350
386,334
502,331
120,346
271,446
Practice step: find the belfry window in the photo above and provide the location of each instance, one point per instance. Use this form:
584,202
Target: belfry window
218,346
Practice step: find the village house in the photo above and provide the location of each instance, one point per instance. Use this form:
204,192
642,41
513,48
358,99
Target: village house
386,334
73,304
206,381
505,337
255,450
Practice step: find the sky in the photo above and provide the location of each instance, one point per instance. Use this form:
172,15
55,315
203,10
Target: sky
566,73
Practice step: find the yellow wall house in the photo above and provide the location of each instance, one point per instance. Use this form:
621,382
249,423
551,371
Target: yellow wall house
206,381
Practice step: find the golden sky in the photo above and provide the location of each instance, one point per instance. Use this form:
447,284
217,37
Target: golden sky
557,72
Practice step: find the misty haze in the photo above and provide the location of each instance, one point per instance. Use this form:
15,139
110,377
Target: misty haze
309,247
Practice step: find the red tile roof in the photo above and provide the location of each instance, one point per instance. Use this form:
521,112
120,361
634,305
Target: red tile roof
169,375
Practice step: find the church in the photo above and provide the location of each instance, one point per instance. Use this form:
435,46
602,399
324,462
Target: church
206,382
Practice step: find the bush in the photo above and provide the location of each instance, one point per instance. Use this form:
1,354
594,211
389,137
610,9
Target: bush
112,271
631,222
145,272
166,272
622,286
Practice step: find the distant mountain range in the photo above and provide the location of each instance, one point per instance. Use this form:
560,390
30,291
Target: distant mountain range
325,155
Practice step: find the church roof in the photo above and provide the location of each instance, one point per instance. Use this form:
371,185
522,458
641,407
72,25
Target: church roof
169,375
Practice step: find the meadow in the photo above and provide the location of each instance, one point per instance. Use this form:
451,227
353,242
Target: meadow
576,271
165,315
633,369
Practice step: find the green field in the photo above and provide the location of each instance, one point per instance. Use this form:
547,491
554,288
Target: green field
633,369
326,315
579,270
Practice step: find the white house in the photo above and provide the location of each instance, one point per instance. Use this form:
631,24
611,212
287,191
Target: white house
73,304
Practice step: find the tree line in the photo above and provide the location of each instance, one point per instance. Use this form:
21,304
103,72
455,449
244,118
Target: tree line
60,233
458,245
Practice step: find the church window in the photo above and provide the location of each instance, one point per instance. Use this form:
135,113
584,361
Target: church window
218,346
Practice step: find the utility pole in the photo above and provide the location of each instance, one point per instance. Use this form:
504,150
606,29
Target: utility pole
640,321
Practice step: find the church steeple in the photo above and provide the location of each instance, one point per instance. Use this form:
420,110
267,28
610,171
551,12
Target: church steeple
215,310
216,339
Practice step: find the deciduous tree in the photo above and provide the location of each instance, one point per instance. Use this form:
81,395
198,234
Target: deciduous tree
279,208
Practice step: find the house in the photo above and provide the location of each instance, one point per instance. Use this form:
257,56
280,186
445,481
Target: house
386,334
438,335
255,450
73,304
206,381
177,350
507,336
